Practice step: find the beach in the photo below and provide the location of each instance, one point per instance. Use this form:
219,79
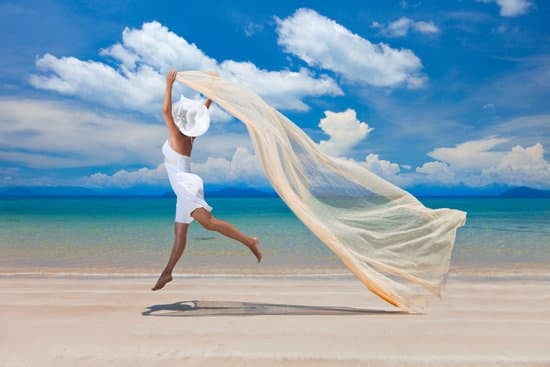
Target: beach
76,273
304,184
64,320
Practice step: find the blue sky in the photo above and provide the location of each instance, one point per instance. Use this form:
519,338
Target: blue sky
434,96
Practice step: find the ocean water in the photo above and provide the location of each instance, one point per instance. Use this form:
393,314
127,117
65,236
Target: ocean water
134,235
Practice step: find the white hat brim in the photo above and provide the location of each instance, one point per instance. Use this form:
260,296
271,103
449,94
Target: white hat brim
191,117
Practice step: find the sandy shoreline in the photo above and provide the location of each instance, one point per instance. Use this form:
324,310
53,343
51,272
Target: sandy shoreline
267,321
518,269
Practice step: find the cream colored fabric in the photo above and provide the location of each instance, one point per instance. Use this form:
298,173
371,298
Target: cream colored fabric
397,247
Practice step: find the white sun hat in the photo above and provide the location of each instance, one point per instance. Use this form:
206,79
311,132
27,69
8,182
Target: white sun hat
191,117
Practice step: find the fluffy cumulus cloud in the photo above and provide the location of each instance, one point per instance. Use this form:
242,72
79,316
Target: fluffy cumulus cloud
385,169
478,163
520,167
437,172
100,83
511,8
157,47
283,89
136,82
474,163
402,26
55,135
322,42
472,155
242,168
45,134
125,178
344,131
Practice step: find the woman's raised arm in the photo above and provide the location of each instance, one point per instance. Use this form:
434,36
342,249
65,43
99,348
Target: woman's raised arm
167,104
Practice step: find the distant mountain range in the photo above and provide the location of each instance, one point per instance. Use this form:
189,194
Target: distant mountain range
525,192
215,191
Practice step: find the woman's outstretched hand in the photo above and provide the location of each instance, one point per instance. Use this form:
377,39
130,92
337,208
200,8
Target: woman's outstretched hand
171,77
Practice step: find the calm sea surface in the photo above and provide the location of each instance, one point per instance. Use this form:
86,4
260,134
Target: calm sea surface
135,235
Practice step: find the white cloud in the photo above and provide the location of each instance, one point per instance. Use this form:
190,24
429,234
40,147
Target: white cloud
125,179
156,46
97,82
517,167
404,4
526,130
219,145
473,163
283,89
472,155
435,172
385,169
511,8
143,58
402,26
242,168
344,130
53,135
476,163
520,167
320,41
425,27
252,28
397,28
45,134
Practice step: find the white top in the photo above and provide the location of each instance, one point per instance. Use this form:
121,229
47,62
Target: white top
180,161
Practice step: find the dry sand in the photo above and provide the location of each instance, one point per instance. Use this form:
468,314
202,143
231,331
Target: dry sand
268,321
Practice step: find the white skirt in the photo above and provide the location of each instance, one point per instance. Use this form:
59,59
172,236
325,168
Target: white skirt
187,186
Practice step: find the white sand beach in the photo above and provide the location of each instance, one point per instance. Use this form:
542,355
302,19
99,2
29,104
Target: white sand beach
54,320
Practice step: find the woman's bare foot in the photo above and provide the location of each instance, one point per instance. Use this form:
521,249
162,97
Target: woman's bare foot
255,248
161,282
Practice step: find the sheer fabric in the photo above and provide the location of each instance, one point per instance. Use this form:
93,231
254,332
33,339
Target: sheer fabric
395,246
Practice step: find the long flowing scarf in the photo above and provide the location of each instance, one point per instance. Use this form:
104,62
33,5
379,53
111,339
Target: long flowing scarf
392,243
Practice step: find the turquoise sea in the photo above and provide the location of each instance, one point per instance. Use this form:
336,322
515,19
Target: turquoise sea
135,234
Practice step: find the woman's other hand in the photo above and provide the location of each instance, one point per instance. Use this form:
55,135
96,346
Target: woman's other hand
171,76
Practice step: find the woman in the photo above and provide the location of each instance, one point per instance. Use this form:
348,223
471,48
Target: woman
188,187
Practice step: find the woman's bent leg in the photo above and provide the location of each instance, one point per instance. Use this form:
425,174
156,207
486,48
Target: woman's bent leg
180,239
211,223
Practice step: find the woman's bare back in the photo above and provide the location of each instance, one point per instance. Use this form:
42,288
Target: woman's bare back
182,144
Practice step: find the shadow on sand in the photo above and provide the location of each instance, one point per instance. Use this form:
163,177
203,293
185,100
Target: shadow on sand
232,308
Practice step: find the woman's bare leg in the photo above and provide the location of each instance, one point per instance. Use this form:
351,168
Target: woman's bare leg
211,223
180,238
